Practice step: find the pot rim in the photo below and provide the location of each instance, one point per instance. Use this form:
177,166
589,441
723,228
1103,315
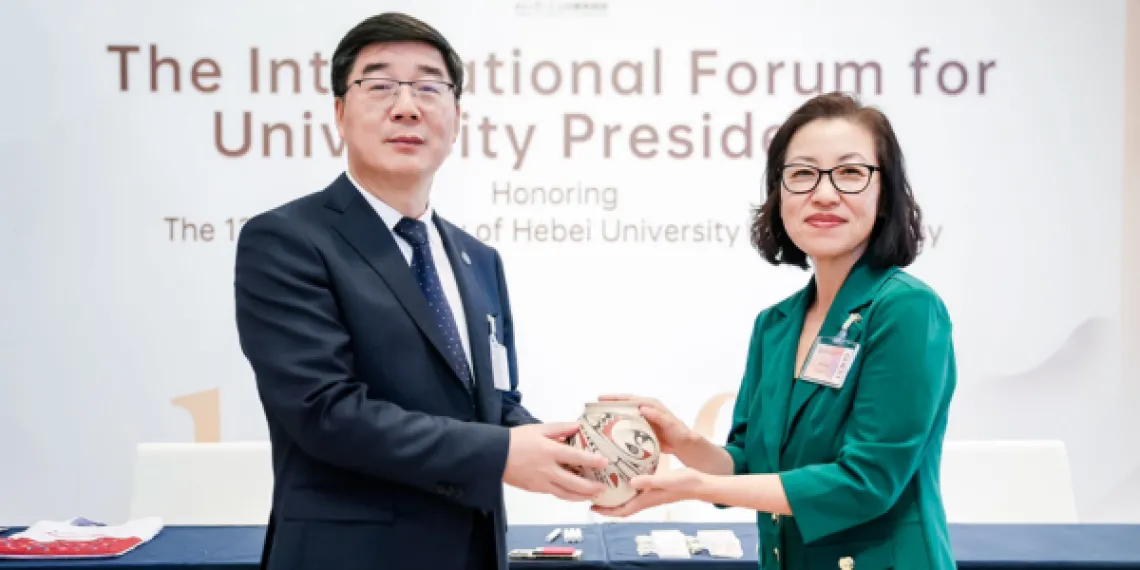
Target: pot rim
633,405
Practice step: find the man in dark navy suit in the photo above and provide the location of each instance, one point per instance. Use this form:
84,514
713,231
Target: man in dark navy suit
382,340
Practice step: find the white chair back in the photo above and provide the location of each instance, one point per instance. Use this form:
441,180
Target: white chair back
1007,482
700,512
525,507
228,483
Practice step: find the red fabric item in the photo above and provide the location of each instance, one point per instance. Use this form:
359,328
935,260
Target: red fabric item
98,548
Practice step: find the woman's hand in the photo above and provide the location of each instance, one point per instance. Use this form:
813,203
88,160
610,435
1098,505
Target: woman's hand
671,431
655,490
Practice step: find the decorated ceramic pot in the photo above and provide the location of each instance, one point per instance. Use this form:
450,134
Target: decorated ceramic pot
618,432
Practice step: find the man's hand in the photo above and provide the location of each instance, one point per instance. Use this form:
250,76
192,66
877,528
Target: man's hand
537,462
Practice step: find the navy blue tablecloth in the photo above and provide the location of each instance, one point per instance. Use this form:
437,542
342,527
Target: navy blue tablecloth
239,548
977,547
176,548
1047,547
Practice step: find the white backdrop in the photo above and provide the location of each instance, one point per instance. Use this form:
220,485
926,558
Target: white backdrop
112,313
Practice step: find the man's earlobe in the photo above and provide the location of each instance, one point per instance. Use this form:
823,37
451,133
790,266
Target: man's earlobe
338,115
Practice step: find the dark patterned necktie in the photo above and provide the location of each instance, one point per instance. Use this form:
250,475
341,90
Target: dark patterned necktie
415,233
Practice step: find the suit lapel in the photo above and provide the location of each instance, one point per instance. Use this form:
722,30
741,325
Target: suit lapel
475,307
857,291
366,232
779,371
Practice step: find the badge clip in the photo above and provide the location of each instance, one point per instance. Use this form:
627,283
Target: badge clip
851,319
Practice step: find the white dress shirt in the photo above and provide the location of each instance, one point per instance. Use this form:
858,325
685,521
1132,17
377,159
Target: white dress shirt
439,255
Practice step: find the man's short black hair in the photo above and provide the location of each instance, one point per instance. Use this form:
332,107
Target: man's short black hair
391,27
896,238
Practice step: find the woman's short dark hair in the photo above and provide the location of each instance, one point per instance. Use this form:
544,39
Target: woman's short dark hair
390,27
896,237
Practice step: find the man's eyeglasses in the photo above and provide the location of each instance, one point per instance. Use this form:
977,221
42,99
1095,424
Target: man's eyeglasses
846,178
380,88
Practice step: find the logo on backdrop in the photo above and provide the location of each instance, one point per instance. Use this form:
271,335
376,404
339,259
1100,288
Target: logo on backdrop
561,8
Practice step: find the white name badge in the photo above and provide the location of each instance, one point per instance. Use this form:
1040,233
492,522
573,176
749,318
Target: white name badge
829,361
500,364
830,358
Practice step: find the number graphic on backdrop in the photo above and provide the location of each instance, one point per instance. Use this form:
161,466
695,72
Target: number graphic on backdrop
205,413
205,409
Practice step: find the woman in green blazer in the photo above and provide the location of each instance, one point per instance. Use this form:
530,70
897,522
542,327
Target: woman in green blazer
838,425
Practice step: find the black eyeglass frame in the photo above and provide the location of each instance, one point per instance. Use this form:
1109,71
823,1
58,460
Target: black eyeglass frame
399,84
820,172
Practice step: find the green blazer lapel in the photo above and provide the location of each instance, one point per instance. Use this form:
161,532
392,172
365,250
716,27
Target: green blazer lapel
857,291
778,371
